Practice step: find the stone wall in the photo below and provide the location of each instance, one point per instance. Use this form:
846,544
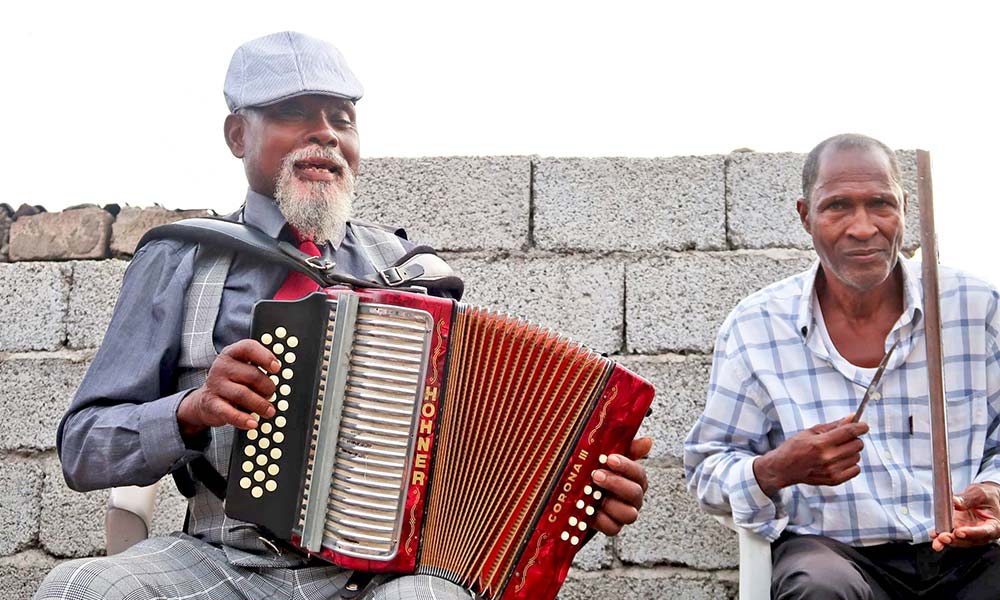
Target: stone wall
638,258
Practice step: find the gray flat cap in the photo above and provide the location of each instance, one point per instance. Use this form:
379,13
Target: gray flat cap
284,65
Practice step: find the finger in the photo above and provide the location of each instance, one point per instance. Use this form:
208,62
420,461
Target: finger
245,374
629,483
851,448
844,433
245,398
842,466
977,535
940,542
640,448
606,525
973,496
628,468
620,512
219,412
841,475
253,352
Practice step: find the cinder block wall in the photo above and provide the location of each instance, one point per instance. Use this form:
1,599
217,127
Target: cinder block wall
639,258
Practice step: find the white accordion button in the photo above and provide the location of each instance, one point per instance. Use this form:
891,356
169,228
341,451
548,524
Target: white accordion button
275,453
256,492
292,342
245,483
590,510
290,357
252,434
285,389
564,536
278,349
262,459
258,476
250,450
271,485
280,332
603,459
282,404
580,503
264,443
274,379
582,526
248,466
572,521
266,339
273,470
597,495
287,374
265,428
278,437
280,421
574,540
588,490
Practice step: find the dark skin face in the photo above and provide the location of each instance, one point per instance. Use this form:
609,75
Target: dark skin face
263,136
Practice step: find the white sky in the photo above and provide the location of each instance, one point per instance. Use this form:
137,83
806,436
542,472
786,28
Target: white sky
122,102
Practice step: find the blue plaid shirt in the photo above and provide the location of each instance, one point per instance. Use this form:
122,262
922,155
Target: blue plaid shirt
773,376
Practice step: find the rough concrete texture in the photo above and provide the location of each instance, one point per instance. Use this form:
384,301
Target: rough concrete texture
677,303
72,523
37,388
681,383
663,583
132,222
20,505
92,297
762,190
597,554
580,299
450,203
673,529
5,223
33,303
67,235
605,204
21,574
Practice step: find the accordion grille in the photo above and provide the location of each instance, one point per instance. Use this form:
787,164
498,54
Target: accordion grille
516,400
379,408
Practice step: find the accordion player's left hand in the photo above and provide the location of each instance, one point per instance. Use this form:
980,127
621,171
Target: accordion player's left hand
624,483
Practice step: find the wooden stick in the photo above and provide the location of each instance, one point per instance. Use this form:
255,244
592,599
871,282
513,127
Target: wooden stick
943,510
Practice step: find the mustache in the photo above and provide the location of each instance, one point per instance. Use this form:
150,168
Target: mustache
315,152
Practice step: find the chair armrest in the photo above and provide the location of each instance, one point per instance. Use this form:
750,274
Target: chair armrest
129,516
755,562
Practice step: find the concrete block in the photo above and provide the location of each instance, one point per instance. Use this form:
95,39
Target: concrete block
673,529
20,504
36,392
605,204
33,306
132,222
171,507
72,523
5,222
677,302
580,299
21,574
80,233
451,203
597,554
762,190
664,583
92,299
681,384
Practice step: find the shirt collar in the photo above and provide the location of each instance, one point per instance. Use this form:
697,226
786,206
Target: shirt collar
913,306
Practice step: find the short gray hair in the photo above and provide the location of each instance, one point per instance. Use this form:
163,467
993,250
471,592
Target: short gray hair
846,141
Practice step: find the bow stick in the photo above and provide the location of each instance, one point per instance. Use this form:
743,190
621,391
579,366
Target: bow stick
943,509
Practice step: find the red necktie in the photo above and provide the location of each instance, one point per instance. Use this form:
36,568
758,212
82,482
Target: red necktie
298,285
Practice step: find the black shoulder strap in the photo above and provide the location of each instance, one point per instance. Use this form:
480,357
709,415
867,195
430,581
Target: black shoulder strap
249,240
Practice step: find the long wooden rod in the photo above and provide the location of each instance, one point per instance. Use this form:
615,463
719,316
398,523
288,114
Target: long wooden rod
943,510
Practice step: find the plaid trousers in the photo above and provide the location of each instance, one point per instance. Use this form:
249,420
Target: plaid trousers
180,567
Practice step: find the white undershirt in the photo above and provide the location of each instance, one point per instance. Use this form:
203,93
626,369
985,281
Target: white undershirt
841,363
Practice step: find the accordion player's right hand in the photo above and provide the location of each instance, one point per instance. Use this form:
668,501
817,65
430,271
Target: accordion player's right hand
238,386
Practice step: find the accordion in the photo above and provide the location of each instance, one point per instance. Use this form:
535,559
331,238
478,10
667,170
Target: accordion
415,434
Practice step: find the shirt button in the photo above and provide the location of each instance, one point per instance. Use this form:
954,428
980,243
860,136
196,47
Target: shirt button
876,396
904,511
887,456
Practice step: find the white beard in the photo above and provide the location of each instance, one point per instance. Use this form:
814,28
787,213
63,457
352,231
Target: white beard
318,210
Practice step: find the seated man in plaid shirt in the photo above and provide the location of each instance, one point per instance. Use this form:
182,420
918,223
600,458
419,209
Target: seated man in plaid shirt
848,506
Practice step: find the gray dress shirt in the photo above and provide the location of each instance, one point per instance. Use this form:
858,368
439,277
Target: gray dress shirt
121,427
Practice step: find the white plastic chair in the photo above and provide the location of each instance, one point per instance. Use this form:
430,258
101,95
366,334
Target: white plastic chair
129,516
755,562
